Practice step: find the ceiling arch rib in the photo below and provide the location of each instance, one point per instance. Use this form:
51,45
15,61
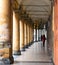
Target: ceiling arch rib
37,8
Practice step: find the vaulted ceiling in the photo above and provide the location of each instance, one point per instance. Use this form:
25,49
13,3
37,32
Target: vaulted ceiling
37,9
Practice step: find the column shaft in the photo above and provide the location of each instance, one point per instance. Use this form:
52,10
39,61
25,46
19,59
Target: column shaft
22,35
25,35
28,34
32,34
16,43
6,30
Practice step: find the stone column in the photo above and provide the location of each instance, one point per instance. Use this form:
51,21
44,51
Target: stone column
25,35
6,30
28,34
22,35
31,34
37,33
16,43
34,32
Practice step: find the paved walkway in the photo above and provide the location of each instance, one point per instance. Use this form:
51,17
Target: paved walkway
36,54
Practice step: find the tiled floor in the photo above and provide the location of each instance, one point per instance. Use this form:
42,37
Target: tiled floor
34,55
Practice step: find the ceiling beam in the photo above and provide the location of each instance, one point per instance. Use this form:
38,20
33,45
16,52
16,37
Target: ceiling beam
35,18
35,11
37,5
42,6
39,14
31,10
35,15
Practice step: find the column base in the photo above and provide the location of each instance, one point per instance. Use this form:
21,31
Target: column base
26,46
23,49
17,52
9,60
30,44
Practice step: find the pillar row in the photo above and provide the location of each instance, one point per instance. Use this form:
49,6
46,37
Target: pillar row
16,43
6,31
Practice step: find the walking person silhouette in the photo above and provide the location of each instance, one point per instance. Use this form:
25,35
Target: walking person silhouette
43,39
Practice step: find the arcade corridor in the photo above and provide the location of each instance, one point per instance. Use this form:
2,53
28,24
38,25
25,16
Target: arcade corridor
25,25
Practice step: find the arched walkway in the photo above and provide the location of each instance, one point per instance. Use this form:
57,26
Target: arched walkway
22,24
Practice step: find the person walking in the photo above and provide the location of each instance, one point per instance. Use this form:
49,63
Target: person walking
43,39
